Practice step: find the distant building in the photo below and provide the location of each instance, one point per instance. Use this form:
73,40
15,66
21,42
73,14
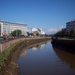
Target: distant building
70,25
8,27
36,31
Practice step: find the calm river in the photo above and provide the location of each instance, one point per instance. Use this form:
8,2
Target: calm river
43,59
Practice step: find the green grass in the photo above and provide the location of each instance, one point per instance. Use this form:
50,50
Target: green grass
65,39
4,55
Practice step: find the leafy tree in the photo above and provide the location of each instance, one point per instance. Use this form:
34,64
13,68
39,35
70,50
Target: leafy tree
61,33
72,33
16,33
68,34
37,34
29,34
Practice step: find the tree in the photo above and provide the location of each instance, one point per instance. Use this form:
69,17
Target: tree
16,33
29,34
37,34
61,33
67,33
72,33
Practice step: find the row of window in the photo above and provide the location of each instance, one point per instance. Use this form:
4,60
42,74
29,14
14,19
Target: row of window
11,27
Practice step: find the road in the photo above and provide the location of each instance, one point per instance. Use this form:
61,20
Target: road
1,40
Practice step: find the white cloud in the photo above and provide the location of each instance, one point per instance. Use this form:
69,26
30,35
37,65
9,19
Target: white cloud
54,30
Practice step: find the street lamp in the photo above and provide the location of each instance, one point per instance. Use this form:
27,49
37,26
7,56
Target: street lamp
16,33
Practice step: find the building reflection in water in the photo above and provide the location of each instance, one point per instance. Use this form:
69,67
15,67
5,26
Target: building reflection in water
39,46
66,57
23,53
34,47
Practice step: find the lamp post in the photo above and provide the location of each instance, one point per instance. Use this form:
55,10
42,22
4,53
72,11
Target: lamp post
16,33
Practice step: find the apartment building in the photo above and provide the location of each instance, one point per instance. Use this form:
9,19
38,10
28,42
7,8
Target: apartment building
9,27
70,25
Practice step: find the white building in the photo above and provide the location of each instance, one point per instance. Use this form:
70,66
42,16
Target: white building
9,27
38,30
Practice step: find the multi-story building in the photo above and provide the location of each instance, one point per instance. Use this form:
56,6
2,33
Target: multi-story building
9,27
70,25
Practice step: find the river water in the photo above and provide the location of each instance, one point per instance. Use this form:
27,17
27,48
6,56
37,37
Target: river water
43,59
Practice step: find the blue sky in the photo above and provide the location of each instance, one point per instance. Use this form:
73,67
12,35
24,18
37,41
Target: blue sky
50,15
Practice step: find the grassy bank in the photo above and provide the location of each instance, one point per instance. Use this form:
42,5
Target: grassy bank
6,55
66,39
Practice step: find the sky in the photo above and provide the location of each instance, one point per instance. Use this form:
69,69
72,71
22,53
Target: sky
50,15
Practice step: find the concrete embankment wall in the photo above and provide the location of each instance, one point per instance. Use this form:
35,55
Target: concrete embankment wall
66,45
8,43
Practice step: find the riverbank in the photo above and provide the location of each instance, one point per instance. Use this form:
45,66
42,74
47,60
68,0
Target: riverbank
64,44
6,43
8,53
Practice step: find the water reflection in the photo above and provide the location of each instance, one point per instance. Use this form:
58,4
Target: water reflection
24,53
66,57
39,46
45,60
34,47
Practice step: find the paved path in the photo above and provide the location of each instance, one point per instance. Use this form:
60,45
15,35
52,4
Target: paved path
1,40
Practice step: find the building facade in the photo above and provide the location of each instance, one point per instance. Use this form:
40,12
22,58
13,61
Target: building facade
70,25
9,27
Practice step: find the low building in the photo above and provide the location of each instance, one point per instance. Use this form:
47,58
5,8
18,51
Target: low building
37,31
8,27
